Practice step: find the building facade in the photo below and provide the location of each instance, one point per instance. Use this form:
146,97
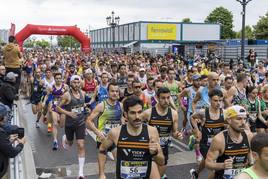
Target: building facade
154,37
4,35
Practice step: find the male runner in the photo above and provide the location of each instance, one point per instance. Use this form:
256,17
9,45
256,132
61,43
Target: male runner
229,152
56,92
37,93
212,122
138,147
109,115
165,119
73,102
259,147
101,92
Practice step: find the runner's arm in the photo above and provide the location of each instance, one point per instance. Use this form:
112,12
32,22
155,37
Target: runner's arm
94,114
196,99
109,140
175,133
214,152
66,99
154,137
146,115
93,98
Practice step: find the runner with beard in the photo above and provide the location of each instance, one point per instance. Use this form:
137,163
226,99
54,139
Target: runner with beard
73,102
165,119
229,152
138,148
109,115
211,120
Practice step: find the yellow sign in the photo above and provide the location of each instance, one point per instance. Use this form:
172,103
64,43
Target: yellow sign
161,32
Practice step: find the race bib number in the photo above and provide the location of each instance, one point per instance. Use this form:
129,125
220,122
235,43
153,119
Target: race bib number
133,169
164,140
78,110
230,173
108,127
55,102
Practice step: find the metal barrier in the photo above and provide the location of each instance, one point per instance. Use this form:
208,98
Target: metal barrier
15,164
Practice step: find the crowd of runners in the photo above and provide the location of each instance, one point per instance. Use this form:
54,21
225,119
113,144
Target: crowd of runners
134,104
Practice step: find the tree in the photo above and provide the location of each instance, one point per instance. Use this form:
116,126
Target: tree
248,33
42,43
67,41
29,43
186,20
261,29
224,17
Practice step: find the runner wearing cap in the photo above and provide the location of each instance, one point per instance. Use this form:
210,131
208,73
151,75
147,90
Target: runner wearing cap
229,152
89,85
142,78
259,147
73,102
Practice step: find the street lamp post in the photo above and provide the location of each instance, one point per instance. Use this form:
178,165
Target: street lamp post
244,4
113,21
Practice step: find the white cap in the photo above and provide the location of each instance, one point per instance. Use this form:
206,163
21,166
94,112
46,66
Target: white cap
88,71
75,77
11,76
235,111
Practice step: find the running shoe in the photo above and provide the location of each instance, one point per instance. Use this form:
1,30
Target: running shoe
63,142
55,145
191,142
194,174
164,176
37,125
49,127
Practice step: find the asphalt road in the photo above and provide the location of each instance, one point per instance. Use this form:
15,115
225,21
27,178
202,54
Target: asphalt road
64,164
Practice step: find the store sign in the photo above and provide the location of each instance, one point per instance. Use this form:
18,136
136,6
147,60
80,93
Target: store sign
161,32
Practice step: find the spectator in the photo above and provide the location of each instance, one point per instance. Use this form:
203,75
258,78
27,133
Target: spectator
12,60
7,90
6,140
2,74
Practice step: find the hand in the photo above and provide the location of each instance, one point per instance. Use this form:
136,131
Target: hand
153,147
13,137
101,136
198,134
73,115
228,163
21,141
178,135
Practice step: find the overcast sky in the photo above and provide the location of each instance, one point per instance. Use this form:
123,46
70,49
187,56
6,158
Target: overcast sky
92,13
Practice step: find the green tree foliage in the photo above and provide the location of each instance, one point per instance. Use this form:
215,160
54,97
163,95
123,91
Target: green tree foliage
224,17
68,41
42,43
29,43
186,20
261,29
248,33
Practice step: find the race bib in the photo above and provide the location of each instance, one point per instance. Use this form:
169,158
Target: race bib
164,140
55,102
230,173
109,126
78,110
133,169
35,88
209,141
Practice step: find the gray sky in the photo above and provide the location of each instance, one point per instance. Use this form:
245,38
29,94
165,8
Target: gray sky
92,13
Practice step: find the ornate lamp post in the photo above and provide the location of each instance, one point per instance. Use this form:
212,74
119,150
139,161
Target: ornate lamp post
113,21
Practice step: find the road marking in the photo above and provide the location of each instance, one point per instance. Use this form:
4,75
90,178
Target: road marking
179,142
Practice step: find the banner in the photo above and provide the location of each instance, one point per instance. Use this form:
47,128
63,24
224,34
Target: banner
161,32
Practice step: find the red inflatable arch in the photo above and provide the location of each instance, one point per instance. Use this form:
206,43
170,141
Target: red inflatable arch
30,29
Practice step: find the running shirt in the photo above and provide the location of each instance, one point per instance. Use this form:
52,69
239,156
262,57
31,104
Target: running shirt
239,153
149,93
163,124
102,93
211,127
77,106
110,118
36,87
126,93
237,99
49,84
133,156
174,91
251,173
122,81
89,87
192,94
56,93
